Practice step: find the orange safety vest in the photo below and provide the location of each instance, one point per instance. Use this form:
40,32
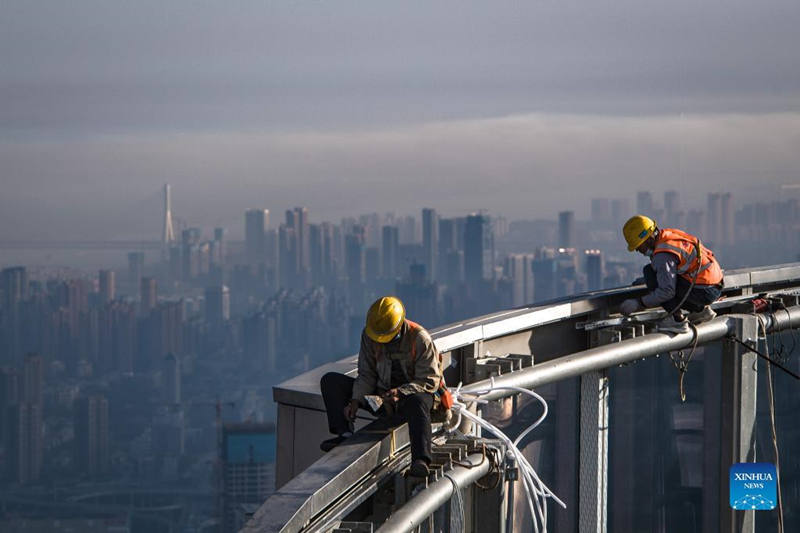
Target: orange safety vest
442,393
686,248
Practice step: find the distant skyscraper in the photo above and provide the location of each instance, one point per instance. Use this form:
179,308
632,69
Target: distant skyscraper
15,291
171,375
9,396
256,222
594,270
601,212
168,235
478,249
297,219
726,229
15,287
430,241
33,379
545,268
24,442
420,297
714,220
566,229
135,270
372,264
218,305
644,203
107,285
389,247
355,266
696,224
620,211
148,297
260,341
408,230
90,422
519,269
248,472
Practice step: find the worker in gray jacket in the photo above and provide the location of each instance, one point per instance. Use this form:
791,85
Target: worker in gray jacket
398,362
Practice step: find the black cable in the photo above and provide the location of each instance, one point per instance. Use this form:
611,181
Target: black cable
761,355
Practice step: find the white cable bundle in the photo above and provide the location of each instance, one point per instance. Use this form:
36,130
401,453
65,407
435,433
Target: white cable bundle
535,490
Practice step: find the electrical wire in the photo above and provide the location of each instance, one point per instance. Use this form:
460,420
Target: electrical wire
771,396
536,492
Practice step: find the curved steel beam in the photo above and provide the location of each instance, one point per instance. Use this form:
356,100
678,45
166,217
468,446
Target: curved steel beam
425,503
625,351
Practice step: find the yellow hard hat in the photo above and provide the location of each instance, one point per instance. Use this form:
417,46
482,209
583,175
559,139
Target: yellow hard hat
638,229
384,319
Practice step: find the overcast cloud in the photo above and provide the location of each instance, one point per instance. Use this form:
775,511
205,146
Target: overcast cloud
359,106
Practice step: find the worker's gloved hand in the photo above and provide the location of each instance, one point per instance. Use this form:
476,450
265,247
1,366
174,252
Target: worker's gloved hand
629,306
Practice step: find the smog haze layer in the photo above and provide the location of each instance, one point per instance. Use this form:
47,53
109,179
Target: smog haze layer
348,107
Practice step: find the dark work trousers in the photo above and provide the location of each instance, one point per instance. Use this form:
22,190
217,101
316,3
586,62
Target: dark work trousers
701,295
337,390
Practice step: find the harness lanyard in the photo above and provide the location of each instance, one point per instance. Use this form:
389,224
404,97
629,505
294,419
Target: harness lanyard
699,253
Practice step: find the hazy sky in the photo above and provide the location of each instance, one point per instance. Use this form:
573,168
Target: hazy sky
521,108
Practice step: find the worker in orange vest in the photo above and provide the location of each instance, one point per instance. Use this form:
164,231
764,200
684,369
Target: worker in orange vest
682,274
399,363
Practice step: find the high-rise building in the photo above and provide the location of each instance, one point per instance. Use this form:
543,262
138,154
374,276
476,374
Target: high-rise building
644,203
726,229
90,420
420,296
135,270
430,240
372,264
160,334
148,297
297,219
478,249
408,230
15,287
713,234
24,442
107,285
545,269
594,270
289,267
696,224
389,247
171,376
256,222
218,305
566,229
260,341
601,212
620,211
519,269
33,379
355,266
124,337
247,458
15,291
9,396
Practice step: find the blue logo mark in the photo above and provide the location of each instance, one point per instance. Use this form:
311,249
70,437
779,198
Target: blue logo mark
754,486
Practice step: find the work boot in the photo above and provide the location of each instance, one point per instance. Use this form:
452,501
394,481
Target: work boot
704,315
328,445
674,324
419,468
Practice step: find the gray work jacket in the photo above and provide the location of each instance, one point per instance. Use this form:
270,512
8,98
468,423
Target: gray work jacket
424,373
